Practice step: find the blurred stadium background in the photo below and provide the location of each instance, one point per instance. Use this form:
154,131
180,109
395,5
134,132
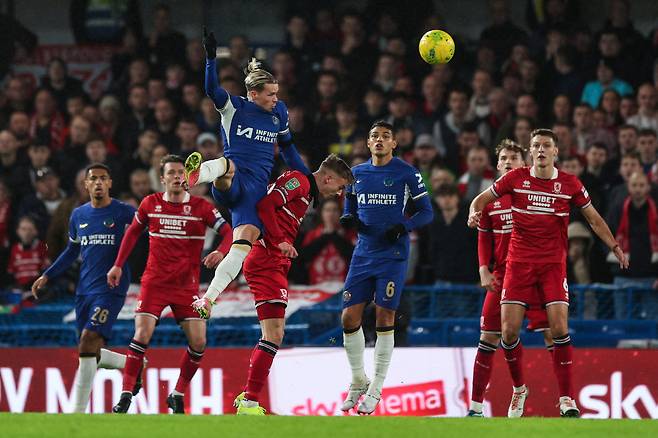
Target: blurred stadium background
122,83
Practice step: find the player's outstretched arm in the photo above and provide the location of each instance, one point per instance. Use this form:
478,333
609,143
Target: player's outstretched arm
477,205
603,231
63,262
218,95
127,244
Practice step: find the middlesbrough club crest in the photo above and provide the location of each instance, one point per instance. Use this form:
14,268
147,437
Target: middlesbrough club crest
187,209
557,187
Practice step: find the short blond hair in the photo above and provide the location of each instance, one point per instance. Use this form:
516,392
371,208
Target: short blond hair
333,163
257,77
511,145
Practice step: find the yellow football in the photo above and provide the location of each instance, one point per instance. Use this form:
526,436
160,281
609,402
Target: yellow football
436,47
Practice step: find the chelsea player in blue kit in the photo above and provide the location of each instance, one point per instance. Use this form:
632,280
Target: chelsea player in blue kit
250,128
376,204
95,232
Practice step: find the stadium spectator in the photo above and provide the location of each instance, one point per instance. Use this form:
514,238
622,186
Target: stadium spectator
453,245
60,84
482,84
635,223
585,133
138,117
155,183
346,132
57,235
110,114
17,96
627,107
478,176
165,123
503,33
11,166
29,255
140,185
647,113
646,147
166,45
561,109
208,119
19,125
605,78
374,105
578,268
326,250
208,146
187,132
47,122
15,41
41,205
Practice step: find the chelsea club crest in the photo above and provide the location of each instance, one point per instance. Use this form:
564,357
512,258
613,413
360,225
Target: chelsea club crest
109,222
388,182
275,120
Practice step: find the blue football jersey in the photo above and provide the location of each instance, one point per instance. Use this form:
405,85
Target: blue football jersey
99,231
382,193
249,134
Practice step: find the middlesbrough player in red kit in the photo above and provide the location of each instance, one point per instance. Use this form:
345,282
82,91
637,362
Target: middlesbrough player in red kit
494,233
266,267
176,223
542,197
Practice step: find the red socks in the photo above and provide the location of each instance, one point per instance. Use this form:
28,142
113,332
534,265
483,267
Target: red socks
134,361
259,368
514,359
189,363
482,370
562,363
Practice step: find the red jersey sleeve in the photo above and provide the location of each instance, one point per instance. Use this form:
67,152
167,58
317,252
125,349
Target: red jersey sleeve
505,184
212,217
485,238
289,186
142,213
580,198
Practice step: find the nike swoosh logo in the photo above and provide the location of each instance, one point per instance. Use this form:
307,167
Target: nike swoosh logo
83,225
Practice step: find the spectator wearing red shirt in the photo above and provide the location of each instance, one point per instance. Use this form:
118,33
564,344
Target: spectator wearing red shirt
29,256
327,249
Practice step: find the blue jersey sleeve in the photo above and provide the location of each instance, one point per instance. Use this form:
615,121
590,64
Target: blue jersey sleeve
218,95
418,193
286,145
350,201
70,253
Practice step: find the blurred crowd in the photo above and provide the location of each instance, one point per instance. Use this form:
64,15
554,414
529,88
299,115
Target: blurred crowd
338,72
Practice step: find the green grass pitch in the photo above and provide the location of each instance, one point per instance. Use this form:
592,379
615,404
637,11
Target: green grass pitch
165,426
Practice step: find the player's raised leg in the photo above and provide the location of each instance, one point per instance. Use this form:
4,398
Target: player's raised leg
229,268
354,342
512,318
198,171
562,357
144,327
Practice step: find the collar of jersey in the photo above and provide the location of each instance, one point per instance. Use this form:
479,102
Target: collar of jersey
186,198
532,173
314,190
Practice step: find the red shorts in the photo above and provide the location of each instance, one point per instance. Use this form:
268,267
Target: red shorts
490,321
535,283
152,301
267,276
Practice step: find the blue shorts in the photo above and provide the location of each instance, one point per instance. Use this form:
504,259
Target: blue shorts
241,198
98,312
381,279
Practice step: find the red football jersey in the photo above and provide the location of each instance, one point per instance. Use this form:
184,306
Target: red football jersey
291,194
497,219
26,263
540,211
176,235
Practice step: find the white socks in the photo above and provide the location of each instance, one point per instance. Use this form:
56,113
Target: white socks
476,406
355,345
111,360
227,270
86,373
212,169
383,353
